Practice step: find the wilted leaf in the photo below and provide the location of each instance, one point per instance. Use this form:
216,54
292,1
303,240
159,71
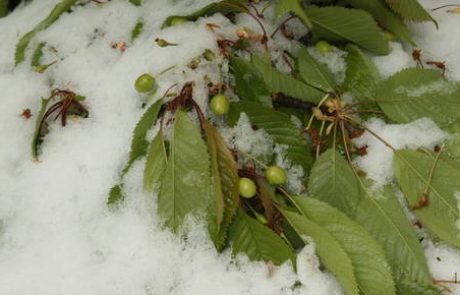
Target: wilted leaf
370,267
185,185
249,84
332,181
344,24
280,82
314,73
441,215
332,255
156,163
416,93
257,241
224,177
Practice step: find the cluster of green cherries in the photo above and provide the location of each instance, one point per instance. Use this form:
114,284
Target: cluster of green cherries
220,106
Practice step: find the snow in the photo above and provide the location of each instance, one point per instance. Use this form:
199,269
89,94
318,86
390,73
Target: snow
57,235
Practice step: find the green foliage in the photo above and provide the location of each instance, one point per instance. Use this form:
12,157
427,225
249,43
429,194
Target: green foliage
361,77
185,185
285,6
370,267
408,288
412,169
385,16
280,127
314,73
332,181
381,214
249,84
329,250
416,93
276,82
224,7
224,177
251,237
344,24
410,10
38,132
156,163
38,54
3,8
59,9
137,30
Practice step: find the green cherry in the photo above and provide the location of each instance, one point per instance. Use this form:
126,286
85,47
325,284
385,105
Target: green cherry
276,175
247,187
145,83
220,104
323,46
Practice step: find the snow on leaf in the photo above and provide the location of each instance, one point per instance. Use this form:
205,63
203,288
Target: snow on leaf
185,185
286,6
156,163
412,169
314,73
280,82
370,267
225,186
331,253
59,9
381,214
257,241
224,7
344,24
415,93
332,181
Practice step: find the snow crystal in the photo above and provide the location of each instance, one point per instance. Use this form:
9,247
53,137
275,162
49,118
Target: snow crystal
334,60
440,87
396,61
444,263
378,162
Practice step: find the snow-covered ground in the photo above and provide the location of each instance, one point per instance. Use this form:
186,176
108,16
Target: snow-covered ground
57,235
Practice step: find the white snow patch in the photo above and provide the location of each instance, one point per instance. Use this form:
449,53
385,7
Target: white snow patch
444,264
397,60
378,162
334,60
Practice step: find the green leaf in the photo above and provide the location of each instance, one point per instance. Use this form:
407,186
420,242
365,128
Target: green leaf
408,288
314,73
224,175
410,10
328,249
115,195
137,30
441,216
361,77
155,164
381,214
59,9
249,84
280,82
286,6
332,181
185,186
416,93
39,132
3,8
257,241
344,24
370,267
385,16
279,126
38,53
224,7
139,144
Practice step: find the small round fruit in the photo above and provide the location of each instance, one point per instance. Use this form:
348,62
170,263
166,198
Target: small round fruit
178,21
247,187
220,104
145,83
276,175
323,46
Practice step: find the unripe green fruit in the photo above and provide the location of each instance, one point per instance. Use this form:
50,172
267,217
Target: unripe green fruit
220,104
247,187
276,175
145,83
323,46
178,21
